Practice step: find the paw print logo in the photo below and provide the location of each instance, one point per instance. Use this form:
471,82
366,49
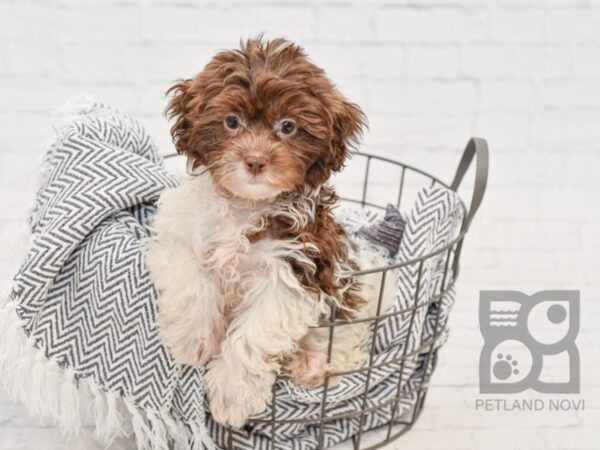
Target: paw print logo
505,367
521,334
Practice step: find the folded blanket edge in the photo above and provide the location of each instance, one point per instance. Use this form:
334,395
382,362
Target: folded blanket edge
49,391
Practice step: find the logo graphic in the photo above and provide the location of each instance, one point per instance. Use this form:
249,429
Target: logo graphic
529,342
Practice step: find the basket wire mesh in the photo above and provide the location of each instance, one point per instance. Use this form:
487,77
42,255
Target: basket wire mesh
397,425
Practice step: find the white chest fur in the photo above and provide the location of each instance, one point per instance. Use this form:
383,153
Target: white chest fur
200,226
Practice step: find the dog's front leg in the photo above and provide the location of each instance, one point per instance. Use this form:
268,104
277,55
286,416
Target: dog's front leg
273,315
190,321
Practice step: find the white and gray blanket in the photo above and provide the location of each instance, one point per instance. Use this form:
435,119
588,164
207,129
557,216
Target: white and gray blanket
79,321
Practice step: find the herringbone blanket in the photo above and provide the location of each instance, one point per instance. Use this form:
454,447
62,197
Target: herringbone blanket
85,302
83,295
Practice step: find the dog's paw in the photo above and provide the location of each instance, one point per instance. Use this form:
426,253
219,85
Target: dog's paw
307,369
187,345
230,411
188,354
236,395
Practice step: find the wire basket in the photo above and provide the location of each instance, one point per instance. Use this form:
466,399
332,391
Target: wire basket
476,149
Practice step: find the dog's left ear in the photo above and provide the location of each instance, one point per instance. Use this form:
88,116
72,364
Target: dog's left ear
348,124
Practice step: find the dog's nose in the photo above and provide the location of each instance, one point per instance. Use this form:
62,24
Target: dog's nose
255,164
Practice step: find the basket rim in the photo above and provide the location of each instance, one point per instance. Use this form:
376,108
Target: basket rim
394,265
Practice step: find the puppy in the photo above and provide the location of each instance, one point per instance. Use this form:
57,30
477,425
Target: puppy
247,255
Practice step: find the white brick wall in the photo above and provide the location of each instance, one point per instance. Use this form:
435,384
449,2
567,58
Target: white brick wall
431,73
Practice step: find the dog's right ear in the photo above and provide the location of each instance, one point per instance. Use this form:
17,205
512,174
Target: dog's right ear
181,108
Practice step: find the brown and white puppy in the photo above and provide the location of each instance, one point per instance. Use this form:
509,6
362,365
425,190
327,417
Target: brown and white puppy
247,254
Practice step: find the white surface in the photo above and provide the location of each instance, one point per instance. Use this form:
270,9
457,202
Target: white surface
525,74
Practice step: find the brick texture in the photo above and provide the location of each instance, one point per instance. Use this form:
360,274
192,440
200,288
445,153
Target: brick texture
525,74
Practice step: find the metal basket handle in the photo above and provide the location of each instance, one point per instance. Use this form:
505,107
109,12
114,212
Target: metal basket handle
475,147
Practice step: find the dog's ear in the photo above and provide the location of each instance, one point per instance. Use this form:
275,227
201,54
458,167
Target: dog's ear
348,124
185,99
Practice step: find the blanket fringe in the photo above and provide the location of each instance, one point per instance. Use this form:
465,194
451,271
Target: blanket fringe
70,418
11,345
106,415
159,431
141,429
49,391
73,107
178,432
200,438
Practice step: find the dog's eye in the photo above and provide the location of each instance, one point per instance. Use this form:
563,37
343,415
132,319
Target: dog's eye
287,127
232,122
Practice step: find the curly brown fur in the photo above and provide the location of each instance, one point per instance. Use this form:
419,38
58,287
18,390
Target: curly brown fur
261,83
264,82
